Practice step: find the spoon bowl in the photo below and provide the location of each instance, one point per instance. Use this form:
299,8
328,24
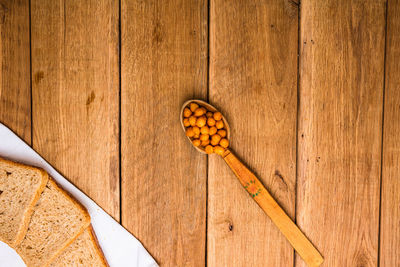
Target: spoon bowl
209,108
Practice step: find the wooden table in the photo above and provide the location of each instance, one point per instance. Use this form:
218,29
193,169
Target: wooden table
311,91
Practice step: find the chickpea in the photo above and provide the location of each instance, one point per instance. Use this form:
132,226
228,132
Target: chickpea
204,137
193,106
224,143
205,143
196,142
192,120
210,122
219,124
201,121
209,114
189,132
222,133
205,130
200,112
219,150
186,122
187,113
213,130
217,116
215,139
209,149
196,130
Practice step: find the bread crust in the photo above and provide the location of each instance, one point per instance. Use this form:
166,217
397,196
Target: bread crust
19,164
28,212
84,226
97,245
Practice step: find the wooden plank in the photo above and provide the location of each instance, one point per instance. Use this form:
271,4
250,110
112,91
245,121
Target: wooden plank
164,63
253,80
340,128
390,193
76,93
15,85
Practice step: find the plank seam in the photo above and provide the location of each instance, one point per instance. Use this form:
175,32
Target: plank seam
30,70
119,110
208,100
297,117
383,117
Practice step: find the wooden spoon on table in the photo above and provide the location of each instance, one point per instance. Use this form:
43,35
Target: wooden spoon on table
260,194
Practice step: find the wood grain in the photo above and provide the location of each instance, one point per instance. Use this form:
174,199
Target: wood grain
390,192
267,203
15,85
253,81
340,127
76,93
164,63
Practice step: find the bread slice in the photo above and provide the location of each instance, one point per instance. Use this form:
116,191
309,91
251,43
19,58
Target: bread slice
84,251
56,222
20,188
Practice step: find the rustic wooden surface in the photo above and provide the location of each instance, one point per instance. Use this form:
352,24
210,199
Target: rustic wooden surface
164,63
340,127
75,93
15,81
390,201
312,99
253,80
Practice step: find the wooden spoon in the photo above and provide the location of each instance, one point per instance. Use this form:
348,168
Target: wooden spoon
260,194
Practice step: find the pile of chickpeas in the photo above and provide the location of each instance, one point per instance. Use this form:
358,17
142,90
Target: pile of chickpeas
205,128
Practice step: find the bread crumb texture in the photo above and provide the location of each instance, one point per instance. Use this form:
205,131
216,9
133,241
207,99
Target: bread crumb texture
84,251
57,219
18,186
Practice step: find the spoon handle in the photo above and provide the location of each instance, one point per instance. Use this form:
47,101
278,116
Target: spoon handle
264,199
